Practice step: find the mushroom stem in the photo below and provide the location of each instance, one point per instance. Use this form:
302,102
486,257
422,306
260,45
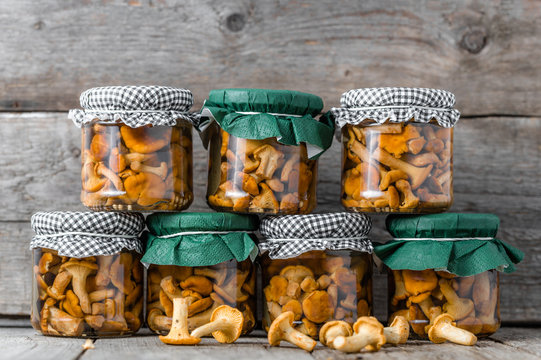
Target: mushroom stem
448,331
297,338
216,325
179,335
354,343
398,332
160,171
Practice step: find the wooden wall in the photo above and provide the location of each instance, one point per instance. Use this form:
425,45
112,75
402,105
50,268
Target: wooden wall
486,52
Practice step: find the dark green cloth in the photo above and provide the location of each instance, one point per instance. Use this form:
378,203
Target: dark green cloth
199,249
460,257
289,130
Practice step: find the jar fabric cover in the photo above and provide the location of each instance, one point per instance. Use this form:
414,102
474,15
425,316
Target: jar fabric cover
462,244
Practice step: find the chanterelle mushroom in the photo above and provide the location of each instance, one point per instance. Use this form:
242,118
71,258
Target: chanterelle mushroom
296,273
64,323
179,334
398,332
443,330
368,333
318,306
79,271
417,282
225,325
281,329
268,158
331,330
457,307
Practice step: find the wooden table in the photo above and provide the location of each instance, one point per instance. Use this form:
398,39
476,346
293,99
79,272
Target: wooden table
24,343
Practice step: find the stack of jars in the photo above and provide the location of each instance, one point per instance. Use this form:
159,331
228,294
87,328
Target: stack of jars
263,149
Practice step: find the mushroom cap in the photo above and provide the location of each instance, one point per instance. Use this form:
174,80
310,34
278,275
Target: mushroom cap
374,326
337,327
417,282
318,306
197,283
417,320
76,266
265,199
440,320
460,309
234,317
401,327
146,139
296,273
145,188
276,331
295,307
307,328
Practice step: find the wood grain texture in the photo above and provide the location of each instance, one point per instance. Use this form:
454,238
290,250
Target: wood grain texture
26,344
497,169
484,51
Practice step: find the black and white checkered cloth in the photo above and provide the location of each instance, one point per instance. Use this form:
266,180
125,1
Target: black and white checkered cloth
83,234
135,106
291,235
396,104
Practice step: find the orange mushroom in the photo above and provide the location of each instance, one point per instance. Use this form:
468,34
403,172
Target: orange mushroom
318,306
146,139
417,282
265,200
145,188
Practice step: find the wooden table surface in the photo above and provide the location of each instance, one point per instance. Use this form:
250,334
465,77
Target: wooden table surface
24,343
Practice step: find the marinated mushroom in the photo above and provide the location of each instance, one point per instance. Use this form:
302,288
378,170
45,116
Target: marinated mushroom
368,332
79,271
225,325
444,330
179,334
331,330
281,329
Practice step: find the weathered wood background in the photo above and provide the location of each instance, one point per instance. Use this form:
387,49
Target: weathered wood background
488,53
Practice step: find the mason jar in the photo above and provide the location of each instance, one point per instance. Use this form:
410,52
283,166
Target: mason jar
207,258
397,149
446,264
317,275
260,160
87,276
136,152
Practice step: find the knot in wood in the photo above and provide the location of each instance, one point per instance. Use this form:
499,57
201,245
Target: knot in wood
235,22
474,41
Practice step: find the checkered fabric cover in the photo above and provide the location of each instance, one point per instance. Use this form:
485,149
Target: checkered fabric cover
396,104
134,105
291,235
53,232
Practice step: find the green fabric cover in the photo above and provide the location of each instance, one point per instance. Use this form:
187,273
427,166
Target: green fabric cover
288,130
199,249
462,257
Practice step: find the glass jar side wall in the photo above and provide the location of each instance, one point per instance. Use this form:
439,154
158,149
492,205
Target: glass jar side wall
318,286
137,169
229,283
98,296
397,167
421,296
260,176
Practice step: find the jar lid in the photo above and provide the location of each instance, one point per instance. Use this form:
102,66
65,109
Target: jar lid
462,244
199,239
135,106
291,235
288,116
82,234
396,104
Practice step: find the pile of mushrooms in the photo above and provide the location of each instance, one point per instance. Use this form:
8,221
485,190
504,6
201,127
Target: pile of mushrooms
142,168
327,290
95,295
367,333
262,176
397,167
471,302
204,289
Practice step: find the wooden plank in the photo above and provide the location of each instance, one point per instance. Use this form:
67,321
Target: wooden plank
526,339
484,51
497,167
24,343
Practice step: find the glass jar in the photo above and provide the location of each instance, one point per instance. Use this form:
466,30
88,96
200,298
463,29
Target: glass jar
420,296
405,167
228,283
317,286
260,176
97,296
137,169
